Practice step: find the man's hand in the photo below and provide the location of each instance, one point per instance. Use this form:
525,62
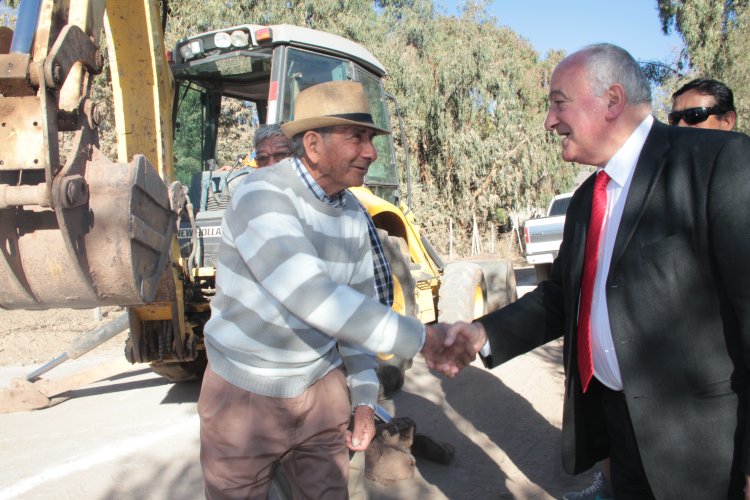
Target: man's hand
471,335
450,348
364,429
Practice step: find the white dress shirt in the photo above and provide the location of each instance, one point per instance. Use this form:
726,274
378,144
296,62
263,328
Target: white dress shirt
620,169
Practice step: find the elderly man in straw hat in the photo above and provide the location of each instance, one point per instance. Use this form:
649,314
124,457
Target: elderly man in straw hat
296,298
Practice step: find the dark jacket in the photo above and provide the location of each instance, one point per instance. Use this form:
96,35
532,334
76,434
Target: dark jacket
678,296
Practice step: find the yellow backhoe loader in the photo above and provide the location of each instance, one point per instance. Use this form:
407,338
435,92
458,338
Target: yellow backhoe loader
79,230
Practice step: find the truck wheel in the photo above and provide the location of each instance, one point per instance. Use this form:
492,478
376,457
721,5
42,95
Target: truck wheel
181,371
462,294
501,283
542,272
391,368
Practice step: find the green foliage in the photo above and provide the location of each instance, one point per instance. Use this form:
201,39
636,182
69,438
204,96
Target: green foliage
737,74
717,44
472,96
187,145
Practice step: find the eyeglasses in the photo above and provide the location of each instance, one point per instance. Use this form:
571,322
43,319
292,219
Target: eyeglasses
263,160
693,116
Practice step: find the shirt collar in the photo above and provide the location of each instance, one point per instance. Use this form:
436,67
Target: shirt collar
338,200
622,165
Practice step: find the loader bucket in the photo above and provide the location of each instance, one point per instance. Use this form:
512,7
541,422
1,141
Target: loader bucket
109,250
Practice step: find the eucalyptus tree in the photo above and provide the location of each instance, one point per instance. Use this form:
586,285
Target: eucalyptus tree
474,98
717,44
472,95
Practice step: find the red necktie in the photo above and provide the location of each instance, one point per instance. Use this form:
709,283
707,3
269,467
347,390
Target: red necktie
590,259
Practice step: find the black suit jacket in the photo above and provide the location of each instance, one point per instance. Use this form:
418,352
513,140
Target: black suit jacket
678,294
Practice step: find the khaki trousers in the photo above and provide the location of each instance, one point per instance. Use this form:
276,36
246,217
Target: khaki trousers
243,434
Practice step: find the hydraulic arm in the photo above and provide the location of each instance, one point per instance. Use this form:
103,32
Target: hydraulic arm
76,229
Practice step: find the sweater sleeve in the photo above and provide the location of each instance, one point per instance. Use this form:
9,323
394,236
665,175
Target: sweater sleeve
361,376
270,228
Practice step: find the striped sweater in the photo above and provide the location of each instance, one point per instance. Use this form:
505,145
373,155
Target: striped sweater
295,293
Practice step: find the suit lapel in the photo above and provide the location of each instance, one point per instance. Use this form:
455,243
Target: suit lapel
647,171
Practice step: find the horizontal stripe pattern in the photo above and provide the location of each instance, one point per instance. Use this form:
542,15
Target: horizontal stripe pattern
294,281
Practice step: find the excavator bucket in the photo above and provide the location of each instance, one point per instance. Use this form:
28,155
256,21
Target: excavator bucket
126,223
76,229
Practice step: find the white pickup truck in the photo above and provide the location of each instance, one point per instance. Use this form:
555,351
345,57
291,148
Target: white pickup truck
542,236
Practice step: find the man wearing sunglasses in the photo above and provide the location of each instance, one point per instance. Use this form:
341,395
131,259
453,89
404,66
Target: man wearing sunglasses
703,103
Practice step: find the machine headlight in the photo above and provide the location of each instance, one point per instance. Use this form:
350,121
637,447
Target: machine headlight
223,40
240,38
196,46
190,50
185,52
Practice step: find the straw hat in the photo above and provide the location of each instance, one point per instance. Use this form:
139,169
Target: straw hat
331,103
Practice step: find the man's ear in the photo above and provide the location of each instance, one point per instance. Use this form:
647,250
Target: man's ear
728,120
616,101
312,142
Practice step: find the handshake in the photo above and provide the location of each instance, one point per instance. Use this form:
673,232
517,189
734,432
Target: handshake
449,348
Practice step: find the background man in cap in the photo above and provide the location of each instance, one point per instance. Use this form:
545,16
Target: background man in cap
296,297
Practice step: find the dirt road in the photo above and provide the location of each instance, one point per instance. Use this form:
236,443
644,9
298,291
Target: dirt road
134,435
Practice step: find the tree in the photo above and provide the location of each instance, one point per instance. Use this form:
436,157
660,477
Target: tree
716,43
737,74
472,95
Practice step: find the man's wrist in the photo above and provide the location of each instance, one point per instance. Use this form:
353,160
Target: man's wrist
423,338
482,332
369,406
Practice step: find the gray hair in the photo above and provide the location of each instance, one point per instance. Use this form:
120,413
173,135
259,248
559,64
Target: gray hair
298,148
265,132
609,64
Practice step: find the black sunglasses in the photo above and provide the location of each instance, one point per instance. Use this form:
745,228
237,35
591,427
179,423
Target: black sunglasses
693,116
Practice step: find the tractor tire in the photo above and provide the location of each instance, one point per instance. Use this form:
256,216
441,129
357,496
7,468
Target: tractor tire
462,294
396,250
501,283
391,368
542,272
181,371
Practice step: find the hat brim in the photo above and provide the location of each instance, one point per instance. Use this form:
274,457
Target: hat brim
295,127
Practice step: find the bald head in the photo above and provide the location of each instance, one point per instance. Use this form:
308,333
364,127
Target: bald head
609,64
598,96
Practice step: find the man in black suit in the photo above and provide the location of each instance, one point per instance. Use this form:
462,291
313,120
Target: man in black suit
700,103
667,332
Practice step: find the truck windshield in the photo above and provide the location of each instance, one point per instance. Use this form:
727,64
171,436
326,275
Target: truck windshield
304,69
559,206
220,99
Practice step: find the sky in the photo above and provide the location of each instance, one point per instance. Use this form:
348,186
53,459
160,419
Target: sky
569,25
